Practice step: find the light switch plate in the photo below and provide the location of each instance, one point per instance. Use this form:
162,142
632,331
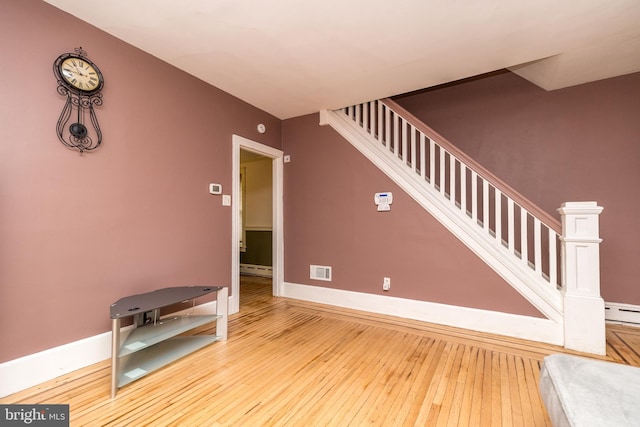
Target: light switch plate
226,200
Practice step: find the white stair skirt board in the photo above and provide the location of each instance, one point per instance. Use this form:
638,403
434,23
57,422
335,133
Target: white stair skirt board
256,270
623,313
512,325
28,371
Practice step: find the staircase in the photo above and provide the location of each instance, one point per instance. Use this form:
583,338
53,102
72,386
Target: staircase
514,237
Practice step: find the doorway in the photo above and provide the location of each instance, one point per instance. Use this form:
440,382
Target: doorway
247,146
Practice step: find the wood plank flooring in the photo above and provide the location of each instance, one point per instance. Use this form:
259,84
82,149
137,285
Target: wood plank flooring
292,363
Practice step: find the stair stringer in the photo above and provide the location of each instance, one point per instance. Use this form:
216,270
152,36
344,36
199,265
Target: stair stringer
534,289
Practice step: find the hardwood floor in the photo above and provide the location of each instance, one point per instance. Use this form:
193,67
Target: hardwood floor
294,363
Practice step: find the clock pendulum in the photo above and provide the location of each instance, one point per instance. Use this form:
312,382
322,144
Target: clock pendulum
81,81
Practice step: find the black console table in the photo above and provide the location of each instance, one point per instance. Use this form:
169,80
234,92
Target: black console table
153,342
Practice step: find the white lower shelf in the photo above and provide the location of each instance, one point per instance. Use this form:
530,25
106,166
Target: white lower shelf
138,364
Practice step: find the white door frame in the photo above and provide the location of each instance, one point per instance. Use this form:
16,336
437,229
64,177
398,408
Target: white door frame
276,155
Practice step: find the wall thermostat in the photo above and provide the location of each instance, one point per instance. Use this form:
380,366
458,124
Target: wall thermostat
383,201
215,188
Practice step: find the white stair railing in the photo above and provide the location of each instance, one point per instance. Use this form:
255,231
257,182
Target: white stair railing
524,234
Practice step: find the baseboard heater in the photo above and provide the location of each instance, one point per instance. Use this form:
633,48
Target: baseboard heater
256,270
625,313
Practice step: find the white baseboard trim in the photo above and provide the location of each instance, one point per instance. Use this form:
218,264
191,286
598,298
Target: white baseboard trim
622,313
512,325
256,270
28,371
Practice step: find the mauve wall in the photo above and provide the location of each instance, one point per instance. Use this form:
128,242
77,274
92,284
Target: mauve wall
77,232
331,219
576,144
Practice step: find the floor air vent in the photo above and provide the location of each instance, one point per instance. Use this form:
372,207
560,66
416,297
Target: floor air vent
320,272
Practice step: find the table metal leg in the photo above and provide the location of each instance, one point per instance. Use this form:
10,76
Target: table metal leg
115,349
222,308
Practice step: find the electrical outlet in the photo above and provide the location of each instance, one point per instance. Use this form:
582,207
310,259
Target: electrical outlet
386,284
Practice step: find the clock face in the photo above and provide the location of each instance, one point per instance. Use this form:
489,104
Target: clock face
81,74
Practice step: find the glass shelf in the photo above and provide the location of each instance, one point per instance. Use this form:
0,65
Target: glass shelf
136,365
150,334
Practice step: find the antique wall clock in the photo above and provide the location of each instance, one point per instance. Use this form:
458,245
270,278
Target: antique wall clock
81,82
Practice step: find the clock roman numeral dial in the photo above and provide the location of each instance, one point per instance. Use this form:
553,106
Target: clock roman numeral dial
80,74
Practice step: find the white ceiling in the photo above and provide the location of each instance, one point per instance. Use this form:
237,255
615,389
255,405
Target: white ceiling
294,57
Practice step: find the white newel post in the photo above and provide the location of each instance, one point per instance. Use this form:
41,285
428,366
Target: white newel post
584,326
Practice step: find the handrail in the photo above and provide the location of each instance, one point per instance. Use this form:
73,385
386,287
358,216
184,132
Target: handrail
507,190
